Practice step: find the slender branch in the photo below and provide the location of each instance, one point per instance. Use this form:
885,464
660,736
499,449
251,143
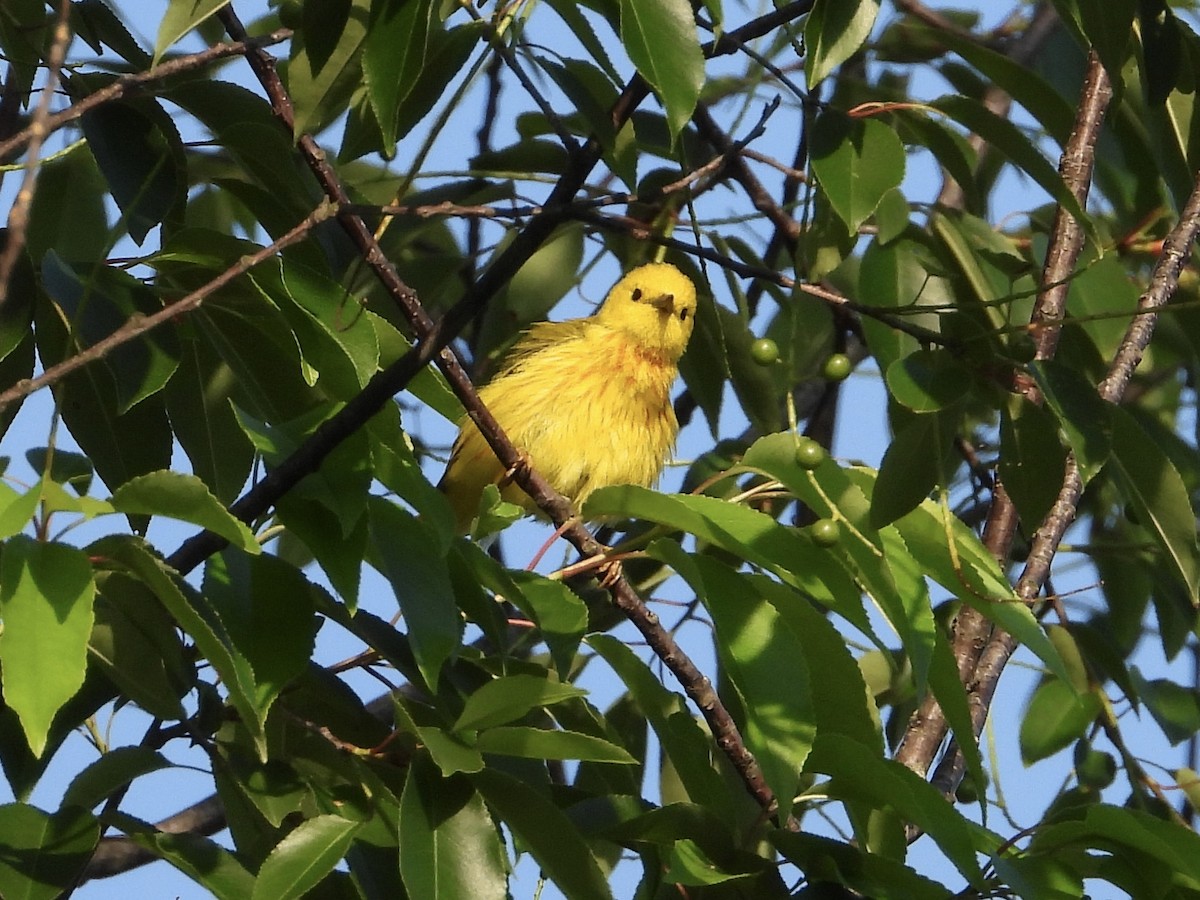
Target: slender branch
435,335
496,37
927,728
759,195
132,83
640,231
137,325
18,214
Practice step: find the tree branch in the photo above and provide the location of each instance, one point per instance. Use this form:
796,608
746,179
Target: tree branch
972,629
18,213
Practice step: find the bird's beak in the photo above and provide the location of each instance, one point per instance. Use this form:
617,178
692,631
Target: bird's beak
664,303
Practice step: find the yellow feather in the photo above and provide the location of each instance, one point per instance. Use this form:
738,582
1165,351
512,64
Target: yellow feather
588,400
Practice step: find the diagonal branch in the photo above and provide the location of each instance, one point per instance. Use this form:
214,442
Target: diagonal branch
138,325
432,338
18,214
136,81
927,728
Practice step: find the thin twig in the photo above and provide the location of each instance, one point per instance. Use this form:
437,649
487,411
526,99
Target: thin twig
137,325
132,83
18,214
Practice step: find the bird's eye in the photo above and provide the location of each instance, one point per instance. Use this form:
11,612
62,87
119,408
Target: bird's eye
637,294
683,314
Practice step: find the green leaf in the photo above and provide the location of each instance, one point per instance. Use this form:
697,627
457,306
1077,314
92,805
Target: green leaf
303,858
96,301
186,499
321,80
1014,146
1153,487
449,751
334,336
201,859
892,277
67,213
445,60
136,645
44,855
753,536
538,743
180,18
684,743
1174,707
421,584
1032,459
1113,829
834,32
764,660
1084,416
509,698
928,380
198,396
266,606
1023,83
869,874
842,703
393,58
198,617
972,575
916,462
1057,716
115,769
858,774
141,156
561,616
856,161
46,593
661,41
551,838
449,846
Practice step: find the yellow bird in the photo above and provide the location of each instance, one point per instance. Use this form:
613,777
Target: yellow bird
588,400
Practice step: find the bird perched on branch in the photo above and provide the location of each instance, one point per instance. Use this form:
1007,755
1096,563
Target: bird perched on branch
588,400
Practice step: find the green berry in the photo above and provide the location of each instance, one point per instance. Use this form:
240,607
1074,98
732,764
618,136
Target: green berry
824,532
765,352
809,453
836,367
1096,769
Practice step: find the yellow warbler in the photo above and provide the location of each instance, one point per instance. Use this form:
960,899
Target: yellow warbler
588,400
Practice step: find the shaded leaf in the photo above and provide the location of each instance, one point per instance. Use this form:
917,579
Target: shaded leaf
549,835
1057,716
44,854
1153,486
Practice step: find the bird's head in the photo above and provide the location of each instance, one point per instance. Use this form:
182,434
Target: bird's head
656,305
